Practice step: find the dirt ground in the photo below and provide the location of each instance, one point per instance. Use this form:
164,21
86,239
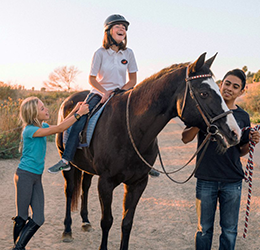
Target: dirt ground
165,217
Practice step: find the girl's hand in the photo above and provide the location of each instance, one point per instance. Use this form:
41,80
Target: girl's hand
76,108
106,96
254,136
83,108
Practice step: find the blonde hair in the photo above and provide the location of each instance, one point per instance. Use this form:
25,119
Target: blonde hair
28,114
29,111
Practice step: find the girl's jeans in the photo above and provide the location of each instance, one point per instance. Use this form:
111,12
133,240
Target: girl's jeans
77,127
207,194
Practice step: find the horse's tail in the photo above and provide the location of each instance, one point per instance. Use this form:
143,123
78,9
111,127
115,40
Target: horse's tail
59,136
61,114
76,189
77,175
75,178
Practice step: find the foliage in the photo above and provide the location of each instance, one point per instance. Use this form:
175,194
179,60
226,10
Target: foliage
10,128
245,69
62,78
249,74
10,125
256,77
249,77
255,118
7,90
250,101
218,82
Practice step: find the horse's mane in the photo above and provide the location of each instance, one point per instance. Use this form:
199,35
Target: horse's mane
151,85
164,72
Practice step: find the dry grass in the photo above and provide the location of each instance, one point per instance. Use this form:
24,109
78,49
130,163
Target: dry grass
10,125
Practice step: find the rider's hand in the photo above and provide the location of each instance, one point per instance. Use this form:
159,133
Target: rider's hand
106,96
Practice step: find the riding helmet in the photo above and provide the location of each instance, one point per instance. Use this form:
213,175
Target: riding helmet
114,19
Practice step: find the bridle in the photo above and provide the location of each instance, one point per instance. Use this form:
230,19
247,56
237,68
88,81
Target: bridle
211,128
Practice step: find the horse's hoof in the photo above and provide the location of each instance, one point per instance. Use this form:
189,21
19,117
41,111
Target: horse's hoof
67,237
86,227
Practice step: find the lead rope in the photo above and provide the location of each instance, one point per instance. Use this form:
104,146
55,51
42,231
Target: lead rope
248,176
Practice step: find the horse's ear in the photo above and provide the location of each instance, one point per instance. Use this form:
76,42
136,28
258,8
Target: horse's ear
210,60
196,66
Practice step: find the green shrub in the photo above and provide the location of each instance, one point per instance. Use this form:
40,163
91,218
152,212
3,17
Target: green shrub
10,128
255,118
10,125
9,147
8,91
251,99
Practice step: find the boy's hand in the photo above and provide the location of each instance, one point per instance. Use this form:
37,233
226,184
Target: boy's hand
254,136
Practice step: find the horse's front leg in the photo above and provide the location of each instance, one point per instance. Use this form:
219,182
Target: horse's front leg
86,226
105,190
132,195
69,186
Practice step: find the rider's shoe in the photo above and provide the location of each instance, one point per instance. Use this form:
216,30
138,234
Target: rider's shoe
61,165
154,173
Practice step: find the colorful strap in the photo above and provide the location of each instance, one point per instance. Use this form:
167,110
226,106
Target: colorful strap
248,176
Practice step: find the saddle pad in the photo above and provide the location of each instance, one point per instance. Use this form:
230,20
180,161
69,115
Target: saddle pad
92,124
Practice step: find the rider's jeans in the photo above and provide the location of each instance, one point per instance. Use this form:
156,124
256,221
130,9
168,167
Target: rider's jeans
77,127
207,194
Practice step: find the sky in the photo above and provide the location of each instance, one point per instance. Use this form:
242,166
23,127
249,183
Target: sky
38,36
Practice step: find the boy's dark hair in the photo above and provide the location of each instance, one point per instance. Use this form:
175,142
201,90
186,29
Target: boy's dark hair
238,73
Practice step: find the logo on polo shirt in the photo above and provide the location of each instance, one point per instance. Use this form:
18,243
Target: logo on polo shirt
124,61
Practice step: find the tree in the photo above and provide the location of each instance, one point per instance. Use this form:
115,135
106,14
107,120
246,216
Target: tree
256,77
62,78
218,82
245,69
249,77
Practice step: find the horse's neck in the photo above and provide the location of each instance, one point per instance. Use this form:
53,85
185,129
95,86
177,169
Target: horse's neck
151,108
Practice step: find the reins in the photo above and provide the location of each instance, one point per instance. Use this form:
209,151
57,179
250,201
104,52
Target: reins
210,127
205,141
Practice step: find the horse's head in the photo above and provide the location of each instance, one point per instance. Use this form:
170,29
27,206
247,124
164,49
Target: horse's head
202,99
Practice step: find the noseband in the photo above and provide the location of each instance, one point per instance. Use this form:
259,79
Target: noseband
211,129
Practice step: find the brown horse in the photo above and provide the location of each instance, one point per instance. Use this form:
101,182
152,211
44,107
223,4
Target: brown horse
184,90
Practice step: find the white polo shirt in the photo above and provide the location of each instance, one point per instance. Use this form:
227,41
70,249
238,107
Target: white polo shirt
110,67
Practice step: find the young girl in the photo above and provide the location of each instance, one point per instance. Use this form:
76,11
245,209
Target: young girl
109,66
28,184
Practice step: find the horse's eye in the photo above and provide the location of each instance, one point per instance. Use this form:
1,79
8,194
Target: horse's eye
203,95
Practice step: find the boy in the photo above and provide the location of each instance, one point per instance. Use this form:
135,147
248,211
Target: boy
219,177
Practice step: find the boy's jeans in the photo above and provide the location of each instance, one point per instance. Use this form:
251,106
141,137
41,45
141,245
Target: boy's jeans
207,195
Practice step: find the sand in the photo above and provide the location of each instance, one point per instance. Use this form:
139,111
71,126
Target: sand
165,217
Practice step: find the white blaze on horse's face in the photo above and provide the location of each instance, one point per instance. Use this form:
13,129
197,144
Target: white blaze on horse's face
231,122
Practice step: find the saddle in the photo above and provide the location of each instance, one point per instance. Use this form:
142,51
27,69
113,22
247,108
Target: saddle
86,134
